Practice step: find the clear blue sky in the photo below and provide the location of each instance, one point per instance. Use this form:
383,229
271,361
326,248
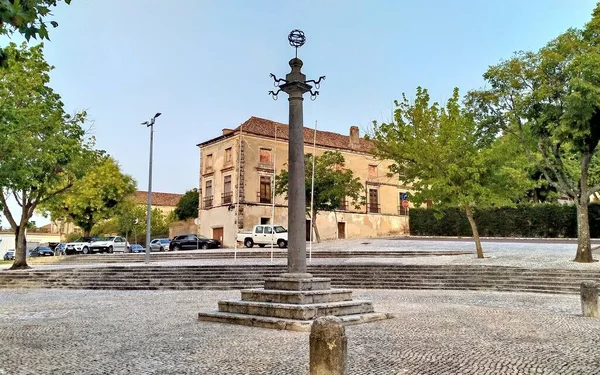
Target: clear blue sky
205,64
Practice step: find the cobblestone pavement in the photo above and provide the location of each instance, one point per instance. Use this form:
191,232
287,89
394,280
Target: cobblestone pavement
434,332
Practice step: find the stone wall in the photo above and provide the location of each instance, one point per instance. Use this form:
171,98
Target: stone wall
182,227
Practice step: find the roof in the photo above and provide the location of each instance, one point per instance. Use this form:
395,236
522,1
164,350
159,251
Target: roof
158,199
266,128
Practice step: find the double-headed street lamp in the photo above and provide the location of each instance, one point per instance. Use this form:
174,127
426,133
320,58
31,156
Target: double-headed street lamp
149,213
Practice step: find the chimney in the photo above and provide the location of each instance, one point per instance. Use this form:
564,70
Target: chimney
227,131
354,137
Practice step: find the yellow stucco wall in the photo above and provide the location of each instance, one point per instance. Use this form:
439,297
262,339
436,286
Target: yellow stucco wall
359,223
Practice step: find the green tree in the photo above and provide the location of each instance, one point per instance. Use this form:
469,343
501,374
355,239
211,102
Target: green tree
187,207
27,17
131,219
442,153
551,100
93,198
43,150
333,185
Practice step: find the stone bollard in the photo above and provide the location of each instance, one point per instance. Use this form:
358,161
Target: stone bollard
589,299
328,347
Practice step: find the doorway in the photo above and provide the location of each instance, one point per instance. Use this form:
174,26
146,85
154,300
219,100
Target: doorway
341,228
218,234
308,228
265,220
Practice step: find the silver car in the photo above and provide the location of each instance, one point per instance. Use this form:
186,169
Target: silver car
160,244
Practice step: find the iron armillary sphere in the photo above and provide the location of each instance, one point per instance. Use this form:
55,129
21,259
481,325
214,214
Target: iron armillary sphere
296,38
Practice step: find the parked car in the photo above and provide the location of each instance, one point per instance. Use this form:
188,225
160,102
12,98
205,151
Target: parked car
9,255
82,245
192,241
160,244
135,248
41,251
264,235
109,245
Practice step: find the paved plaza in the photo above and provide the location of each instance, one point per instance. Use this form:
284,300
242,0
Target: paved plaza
434,332
55,331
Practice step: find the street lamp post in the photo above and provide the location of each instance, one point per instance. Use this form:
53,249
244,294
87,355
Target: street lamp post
149,124
296,85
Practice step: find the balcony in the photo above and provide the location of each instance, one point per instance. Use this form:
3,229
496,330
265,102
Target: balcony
343,205
373,208
262,198
226,198
207,202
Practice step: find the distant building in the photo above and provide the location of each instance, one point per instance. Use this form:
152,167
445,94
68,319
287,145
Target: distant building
222,160
166,202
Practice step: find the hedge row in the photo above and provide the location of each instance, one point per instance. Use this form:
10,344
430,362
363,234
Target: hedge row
542,220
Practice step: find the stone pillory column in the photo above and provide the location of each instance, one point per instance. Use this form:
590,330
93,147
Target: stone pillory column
296,85
294,300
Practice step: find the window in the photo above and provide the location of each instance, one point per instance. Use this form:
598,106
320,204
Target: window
208,197
372,170
265,155
227,193
208,189
258,230
228,157
208,164
343,204
264,195
373,205
268,230
265,220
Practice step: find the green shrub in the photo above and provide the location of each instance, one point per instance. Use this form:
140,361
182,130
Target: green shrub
540,220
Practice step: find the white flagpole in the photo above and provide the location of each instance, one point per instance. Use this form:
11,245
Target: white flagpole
237,205
312,193
273,192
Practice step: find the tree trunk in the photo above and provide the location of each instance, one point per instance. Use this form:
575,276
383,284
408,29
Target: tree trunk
584,247
314,225
475,231
20,248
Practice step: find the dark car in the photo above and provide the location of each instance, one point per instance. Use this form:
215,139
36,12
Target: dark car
192,241
135,248
9,255
41,251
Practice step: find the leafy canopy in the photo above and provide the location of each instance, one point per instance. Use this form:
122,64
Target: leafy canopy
333,182
551,100
95,197
27,17
443,154
187,207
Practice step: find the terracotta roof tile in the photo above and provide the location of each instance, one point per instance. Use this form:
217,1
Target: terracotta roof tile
266,128
158,199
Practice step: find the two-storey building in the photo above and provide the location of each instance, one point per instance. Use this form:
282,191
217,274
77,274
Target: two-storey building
237,171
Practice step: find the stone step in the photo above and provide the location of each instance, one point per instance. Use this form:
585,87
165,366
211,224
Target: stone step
288,283
281,323
292,297
297,312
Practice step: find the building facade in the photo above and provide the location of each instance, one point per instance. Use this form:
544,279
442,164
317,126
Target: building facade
237,172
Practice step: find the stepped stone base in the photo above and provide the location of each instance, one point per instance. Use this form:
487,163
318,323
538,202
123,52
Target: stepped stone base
281,323
292,304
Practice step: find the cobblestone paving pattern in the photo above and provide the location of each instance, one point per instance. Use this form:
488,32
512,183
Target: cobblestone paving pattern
434,332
